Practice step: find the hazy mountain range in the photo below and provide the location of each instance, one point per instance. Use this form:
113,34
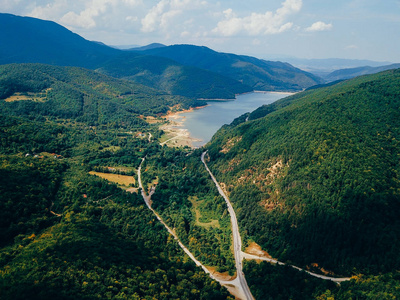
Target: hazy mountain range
32,40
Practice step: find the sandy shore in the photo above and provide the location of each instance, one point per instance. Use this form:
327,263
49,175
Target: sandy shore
175,134
280,93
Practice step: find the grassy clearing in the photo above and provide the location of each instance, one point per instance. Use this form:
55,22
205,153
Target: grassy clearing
122,180
196,206
112,149
36,97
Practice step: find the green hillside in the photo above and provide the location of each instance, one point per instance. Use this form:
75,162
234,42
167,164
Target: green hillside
100,242
172,77
257,73
315,177
66,234
70,92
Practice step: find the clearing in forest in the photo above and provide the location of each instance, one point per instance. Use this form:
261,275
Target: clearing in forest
123,180
196,206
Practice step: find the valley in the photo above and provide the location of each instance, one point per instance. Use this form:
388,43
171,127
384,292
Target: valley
121,179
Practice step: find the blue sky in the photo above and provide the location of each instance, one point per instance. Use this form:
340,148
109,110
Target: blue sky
355,29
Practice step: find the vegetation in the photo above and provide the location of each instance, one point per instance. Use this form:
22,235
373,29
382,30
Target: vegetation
314,178
183,194
83,95
67,234
172,77
96,249
258,74
269,281
30,40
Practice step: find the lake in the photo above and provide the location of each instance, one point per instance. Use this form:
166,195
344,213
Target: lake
204,122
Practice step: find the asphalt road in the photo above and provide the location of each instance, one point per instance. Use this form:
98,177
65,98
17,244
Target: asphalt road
237,241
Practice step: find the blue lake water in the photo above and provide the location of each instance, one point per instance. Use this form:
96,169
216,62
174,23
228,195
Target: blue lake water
203,123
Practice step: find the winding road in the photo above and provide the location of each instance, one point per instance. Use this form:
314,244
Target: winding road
236,235
237,286
237,241
147,200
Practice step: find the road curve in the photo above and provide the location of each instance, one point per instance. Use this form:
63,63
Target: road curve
237,241
274,261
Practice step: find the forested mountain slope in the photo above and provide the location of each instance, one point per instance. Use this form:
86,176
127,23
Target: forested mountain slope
71,92
172,77
67,234
315,177
31,40
256,73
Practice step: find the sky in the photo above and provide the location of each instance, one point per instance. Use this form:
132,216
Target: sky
353,29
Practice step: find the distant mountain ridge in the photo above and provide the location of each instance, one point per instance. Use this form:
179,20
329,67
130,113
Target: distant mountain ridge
323,66
219,75
258,74
30,40
354,72
147,47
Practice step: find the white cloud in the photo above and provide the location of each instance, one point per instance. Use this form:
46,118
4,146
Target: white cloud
150,21
319,26
259,24
49,11
86,17
83,14
162,15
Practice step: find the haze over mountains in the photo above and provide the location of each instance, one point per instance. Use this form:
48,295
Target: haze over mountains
259,74
33,40
219,75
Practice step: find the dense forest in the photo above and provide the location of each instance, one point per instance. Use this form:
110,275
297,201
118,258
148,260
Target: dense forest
189,202
315,177
90,247
66,234
71,92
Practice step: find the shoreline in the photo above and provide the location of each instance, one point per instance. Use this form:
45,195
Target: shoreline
171,113
176,135
255,91
276,92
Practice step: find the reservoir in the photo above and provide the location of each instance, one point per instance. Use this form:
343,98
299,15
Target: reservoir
204,122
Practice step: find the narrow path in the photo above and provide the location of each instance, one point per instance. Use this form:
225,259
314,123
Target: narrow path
52,212
173,138
251,256
274,261
237,241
